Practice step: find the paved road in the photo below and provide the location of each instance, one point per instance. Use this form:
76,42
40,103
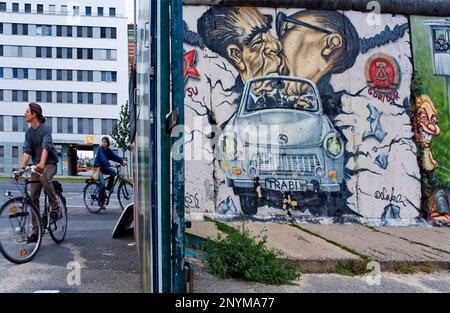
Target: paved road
439,282
107,265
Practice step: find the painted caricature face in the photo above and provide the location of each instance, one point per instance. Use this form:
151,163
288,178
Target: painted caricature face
259,53
426,121
307,46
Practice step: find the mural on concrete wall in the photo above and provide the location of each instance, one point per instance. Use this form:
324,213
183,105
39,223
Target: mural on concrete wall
300,113
431,92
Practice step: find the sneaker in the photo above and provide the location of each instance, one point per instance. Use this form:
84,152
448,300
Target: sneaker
32,238
102,206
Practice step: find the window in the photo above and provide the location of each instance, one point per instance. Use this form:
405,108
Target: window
49,52
90,98
24,29
15,151
25,73
40,8
1,28
79,53
114,76
59,97
79,31
90,53
89,32
1,72
79,75
2,149
102,32
113,33
104,76
59,53
27,8
49,96
58,74
69,75
1,95
15,123
49,121
69,53
2,125
59,124
49,30
2,6
52,8
90,76
59,30
49,74
88,11
69,31
64,9
112,11
15,7
100,11
38,96
15,73
76,10
14,28
104,98
38,52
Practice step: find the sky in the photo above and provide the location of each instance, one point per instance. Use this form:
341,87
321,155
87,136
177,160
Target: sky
130,10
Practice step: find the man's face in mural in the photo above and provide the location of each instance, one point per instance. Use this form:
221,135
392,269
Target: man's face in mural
310,50
259,52
426,121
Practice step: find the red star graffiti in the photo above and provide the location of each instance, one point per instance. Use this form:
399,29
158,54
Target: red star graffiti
189,66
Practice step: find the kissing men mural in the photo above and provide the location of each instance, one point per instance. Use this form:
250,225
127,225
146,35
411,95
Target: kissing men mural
431,89
301,113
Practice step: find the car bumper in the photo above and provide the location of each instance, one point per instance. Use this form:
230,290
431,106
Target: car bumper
249,184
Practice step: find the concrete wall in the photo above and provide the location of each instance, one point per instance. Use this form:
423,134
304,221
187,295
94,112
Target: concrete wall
332,140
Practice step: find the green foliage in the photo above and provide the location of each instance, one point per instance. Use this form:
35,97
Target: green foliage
405,268
121,131
427,267
352,268
240,256
435,87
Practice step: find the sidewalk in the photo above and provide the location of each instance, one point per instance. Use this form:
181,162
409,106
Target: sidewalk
315,248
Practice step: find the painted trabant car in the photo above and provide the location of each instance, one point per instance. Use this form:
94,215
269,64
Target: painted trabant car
280,141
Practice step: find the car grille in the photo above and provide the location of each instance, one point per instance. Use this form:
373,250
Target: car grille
303,164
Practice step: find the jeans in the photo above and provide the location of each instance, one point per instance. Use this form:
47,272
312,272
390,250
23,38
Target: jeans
112,172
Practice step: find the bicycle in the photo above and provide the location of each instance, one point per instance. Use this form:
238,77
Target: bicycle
124,192
19,218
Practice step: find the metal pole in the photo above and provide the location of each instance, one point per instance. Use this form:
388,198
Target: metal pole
178,227
163,147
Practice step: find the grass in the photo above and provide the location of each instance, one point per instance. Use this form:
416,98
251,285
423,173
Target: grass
405,268
426,267
240,256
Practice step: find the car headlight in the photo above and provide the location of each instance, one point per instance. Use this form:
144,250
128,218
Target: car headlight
333,145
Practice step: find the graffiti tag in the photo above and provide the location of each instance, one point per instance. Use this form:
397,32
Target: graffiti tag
191,201
390,197
191,91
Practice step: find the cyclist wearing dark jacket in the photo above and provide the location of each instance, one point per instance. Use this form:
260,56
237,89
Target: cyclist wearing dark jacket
102,160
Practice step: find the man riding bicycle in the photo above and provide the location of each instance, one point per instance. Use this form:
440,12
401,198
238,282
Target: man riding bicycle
39,145
102,160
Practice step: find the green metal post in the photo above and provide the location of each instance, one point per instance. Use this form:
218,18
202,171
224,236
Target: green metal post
178,226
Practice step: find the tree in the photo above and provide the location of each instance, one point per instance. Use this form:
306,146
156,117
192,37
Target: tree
121,131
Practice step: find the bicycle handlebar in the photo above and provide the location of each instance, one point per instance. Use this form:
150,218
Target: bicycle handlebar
27,169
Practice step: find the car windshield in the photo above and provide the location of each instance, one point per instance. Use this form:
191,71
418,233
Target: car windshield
279,93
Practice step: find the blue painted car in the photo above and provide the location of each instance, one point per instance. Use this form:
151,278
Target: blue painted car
281,141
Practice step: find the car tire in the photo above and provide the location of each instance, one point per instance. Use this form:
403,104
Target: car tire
249,204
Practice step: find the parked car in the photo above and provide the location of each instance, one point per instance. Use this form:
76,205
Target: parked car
281,137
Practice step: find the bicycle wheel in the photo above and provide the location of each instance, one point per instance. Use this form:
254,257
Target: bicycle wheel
90,197
125,194
58,229
17,222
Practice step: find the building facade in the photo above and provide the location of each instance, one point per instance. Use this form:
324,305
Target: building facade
72,59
